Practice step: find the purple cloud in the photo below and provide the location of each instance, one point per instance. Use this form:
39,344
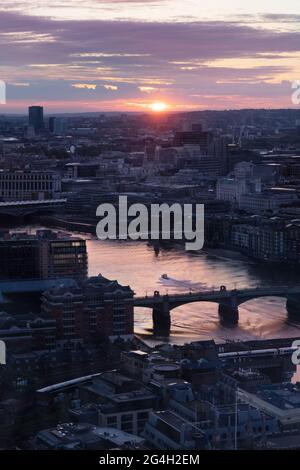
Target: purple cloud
128,54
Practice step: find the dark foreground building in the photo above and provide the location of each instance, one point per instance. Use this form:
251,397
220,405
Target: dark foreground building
96,308
42,256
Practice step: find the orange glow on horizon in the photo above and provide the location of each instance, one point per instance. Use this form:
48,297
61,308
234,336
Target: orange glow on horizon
158,106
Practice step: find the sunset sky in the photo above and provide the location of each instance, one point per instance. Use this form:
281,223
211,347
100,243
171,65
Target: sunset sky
131,55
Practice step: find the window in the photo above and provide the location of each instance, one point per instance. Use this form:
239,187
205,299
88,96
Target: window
111,421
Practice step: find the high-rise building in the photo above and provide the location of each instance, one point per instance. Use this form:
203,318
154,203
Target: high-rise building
44,255
51,124
194,137
36,118
60,126
57,126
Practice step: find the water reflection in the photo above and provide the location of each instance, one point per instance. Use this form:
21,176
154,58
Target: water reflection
138,265
141,266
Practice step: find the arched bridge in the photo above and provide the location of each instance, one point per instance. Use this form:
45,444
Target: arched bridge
228,301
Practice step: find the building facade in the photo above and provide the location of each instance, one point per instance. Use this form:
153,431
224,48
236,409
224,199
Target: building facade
275,242
36,118
44,255
29,185
95,309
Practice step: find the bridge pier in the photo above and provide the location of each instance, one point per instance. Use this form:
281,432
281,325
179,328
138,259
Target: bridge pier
229,311
293,307
228,301
161,319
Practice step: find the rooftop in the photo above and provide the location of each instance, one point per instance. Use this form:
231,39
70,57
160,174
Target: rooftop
283,396
70,435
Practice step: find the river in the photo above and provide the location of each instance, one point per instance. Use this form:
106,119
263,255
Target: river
139,266
136,264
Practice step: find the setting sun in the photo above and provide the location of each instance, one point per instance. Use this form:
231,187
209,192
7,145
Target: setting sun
158,106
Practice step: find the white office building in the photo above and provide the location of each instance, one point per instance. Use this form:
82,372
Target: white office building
29,185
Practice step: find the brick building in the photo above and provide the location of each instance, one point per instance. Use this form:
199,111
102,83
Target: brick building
96,308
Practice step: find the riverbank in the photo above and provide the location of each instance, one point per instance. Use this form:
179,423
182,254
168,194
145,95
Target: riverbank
220,252
141,266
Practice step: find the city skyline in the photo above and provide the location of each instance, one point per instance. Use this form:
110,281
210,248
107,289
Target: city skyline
152,55
149,229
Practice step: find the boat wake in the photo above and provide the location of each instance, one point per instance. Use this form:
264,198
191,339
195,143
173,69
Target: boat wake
182,283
